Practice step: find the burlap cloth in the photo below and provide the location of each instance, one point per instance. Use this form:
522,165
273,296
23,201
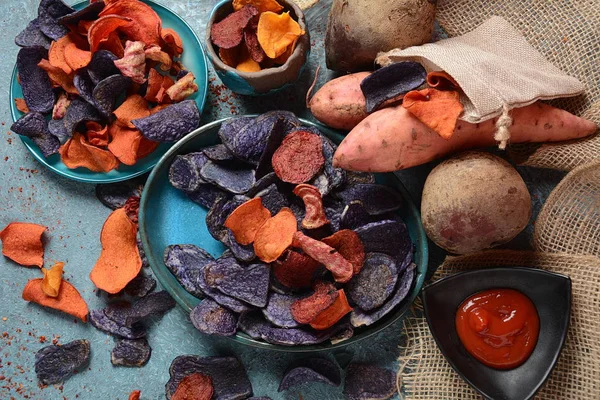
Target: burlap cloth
566,33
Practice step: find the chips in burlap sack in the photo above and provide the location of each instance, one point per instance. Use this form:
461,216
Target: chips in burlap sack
566,33
570,218
425,374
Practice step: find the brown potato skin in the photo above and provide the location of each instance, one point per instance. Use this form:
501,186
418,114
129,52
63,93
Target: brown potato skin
358,29
474,201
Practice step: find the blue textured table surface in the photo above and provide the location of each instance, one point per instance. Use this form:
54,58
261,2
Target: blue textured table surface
74,217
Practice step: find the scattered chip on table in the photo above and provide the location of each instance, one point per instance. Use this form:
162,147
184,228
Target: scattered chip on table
365,382
131,352
311,370
54,363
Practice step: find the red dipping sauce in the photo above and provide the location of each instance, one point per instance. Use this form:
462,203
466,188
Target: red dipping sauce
498,327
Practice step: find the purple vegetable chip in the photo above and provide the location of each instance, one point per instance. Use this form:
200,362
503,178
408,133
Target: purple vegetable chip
259,398
374,283
141,285
206,195
55,8
407,260
278,310
334,215
232,179
346,334
49,11
331,178
77,112
101,321
392,82
131,352
228,302
156,303
140,246
263,183
84,85
229,378
186,262
219,152
102,65
312,370
181,74
57,128
286,122
272,199
369,382
218,213
35,83
244,253
246,283
354,177
114,195
108,90
184,173
387,236
32,36
377,199
355,215
35,127
171,123
359,317
212,319
87,13
230,128
54,364
251,141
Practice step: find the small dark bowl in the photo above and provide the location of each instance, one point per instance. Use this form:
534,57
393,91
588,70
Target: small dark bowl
269,80
551,295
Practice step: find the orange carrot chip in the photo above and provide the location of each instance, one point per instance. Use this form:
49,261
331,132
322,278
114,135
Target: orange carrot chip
96,134
276,32
68,300
442,80
437,109
113,44
124,143
261,5
56,54
145,25
77,152
183,88
146,147
348,244
83,27
120,260
313,204
21,105
52,279
134,107
246,220
22,243
58,76
75,57
332,314
103,28
275,235
172,43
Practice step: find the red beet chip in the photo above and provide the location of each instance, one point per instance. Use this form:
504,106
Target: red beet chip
314,216
348,244
229,32
299,157
342,269
295,271
307,309
254,49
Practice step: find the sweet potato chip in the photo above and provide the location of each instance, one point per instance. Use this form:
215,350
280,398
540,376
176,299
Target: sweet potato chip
261,5
155,53
145,147
21,105
120,260
133,62
77,152
172,43
105,27
22,243
58,76
247,219
229,32
157,87
146,24
332,314
68,300
75,57
133,107
348,244
113,44
230,56
306,309
275,235
313,204
341,268
60,107
124,144
282,59
56,54
437,109
183,88
96,134
441,80
83,27
52,279
247,64
276,32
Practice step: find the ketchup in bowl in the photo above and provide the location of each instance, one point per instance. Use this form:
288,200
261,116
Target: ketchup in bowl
499,327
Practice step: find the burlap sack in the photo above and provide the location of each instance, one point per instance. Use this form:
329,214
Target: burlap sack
566,33
425,374
570,219
495,68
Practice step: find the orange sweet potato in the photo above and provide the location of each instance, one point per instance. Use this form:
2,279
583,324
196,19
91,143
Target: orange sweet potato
246,220
68,300
392,138
22,243
332,314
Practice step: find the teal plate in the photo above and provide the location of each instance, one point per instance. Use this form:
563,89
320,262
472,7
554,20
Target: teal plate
167,216
193,58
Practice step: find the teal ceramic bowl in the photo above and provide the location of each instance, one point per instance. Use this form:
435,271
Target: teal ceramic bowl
194,60
167,216
269,80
